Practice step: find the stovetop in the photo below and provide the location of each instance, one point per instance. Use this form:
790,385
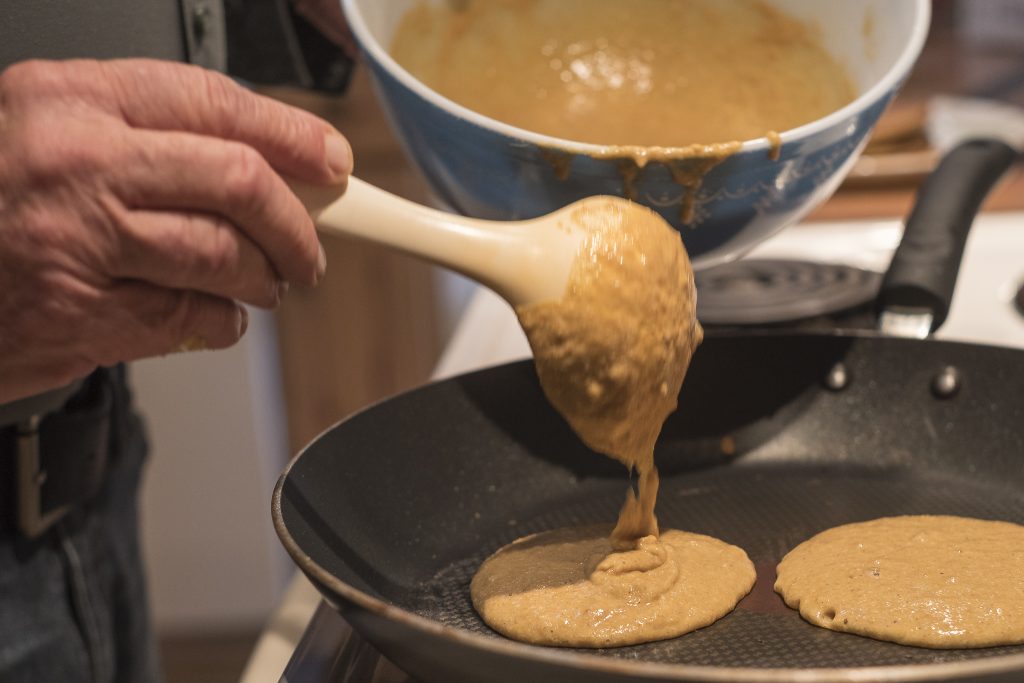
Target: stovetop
786,292
332,652
808,276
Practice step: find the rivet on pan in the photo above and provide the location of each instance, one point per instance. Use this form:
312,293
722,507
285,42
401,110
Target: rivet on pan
946,383
837,378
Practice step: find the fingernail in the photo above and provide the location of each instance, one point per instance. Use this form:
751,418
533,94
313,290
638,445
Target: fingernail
321,263
194,342
243,320
282,289
339,155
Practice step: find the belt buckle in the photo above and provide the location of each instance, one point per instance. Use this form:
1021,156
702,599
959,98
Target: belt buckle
32,521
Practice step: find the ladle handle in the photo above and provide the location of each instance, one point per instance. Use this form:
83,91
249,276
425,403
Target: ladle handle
482,250
923,272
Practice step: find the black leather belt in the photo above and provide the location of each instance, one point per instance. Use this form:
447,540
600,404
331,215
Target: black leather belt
51,464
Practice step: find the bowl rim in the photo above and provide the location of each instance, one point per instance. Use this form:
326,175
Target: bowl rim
891,80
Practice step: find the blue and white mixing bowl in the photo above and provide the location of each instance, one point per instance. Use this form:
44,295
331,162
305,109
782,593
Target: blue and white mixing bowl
482,167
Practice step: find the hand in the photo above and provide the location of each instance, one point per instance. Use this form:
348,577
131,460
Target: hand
139,202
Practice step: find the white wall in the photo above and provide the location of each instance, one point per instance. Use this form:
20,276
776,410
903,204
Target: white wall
218,442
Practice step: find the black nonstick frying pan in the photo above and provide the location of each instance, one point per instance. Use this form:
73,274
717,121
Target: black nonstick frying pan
778,436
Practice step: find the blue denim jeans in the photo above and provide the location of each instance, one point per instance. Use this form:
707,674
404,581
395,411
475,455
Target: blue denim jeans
73,602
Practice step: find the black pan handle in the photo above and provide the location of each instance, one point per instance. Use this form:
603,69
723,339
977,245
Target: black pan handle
923,271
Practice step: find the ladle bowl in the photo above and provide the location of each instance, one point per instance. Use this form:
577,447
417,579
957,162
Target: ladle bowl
485,168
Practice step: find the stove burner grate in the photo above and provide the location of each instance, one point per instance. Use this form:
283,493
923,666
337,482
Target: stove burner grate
768,291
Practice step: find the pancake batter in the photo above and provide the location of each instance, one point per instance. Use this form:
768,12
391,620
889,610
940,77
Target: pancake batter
611,355
666,73
567,588
930,581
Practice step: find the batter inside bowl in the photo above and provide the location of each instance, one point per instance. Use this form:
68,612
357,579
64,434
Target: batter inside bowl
665,73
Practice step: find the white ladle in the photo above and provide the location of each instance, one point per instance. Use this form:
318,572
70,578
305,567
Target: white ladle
523,261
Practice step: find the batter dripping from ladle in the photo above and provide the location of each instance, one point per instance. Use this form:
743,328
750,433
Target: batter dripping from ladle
611,355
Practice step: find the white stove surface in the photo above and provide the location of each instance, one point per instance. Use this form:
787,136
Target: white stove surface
982,311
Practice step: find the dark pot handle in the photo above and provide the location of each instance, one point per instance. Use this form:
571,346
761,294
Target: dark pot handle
923,272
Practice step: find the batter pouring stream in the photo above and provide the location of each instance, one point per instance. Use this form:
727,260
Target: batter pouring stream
611,355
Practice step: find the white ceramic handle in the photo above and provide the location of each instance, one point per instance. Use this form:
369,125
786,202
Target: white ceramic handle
519,260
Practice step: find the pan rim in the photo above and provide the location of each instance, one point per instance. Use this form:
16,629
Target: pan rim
585,662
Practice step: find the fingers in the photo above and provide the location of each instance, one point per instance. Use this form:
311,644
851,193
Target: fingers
164,96
196,251
119,322
159,95
182,171
144,320
135,320
147,232
236,178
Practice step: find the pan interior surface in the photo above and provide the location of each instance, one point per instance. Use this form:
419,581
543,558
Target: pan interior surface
766,510
399,505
